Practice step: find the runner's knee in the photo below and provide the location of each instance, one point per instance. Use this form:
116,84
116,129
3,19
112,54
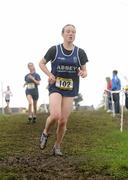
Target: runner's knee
30,103
62,122
56,116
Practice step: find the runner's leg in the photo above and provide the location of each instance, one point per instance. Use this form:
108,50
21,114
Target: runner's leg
8,104
34,108
67,105
55,101
8,109
34,111
30,102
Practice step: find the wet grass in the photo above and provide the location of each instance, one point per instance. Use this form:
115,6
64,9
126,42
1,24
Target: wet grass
94,148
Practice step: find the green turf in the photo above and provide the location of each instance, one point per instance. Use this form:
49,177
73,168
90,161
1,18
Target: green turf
93,145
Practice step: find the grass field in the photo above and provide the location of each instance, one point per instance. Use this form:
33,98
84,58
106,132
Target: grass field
93,147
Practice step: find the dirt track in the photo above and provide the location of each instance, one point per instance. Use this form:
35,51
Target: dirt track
46,167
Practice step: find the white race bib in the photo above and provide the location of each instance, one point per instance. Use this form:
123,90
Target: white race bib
64,83
30,86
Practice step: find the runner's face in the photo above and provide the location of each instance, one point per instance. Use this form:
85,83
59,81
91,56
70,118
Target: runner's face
31,67
69,34
8,88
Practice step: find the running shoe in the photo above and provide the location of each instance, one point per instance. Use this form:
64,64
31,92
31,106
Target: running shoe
34,119
43,141
29,120
56,151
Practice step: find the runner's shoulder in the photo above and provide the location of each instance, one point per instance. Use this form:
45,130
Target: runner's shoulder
50,54
52,50
83,56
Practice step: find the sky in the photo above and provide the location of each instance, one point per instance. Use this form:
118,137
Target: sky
28,28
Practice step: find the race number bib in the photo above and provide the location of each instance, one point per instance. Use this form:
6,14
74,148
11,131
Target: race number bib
63,83
30,86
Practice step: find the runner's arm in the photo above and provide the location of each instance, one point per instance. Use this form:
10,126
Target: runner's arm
25,84
82,71
83,60
37,82
34,80
43,67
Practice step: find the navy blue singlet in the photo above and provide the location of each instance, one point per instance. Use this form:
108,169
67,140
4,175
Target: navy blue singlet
65,69
32,88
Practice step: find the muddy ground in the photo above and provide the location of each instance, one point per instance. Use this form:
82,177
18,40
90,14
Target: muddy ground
45,167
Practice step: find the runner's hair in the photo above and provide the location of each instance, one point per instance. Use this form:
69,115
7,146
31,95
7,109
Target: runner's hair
30,63
66,26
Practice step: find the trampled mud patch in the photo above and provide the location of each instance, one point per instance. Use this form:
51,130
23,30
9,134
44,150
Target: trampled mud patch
40,167
44,167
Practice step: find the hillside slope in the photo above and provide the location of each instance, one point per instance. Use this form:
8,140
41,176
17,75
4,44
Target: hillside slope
93,147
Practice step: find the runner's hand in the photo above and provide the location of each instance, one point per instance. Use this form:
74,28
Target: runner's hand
82,73
24,84
51,79
31,77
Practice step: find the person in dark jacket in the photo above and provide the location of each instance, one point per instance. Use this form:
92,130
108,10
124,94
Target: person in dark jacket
116,86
